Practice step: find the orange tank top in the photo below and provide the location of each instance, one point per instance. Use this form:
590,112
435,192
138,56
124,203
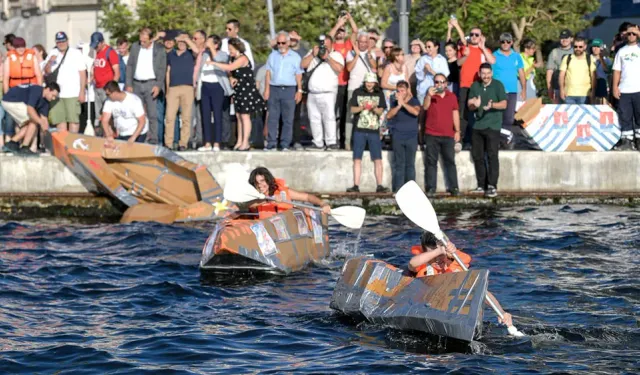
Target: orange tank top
271,208
22,72
435,268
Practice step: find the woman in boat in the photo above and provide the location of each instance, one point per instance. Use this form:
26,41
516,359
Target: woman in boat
262,179
432,257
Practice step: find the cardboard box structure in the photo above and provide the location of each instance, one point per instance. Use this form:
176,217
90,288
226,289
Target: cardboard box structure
569,127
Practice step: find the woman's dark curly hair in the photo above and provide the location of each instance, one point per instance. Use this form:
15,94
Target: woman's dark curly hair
268,177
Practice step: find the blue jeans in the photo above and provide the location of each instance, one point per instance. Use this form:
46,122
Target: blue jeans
161,105
282,101
576,100
404,161
212,100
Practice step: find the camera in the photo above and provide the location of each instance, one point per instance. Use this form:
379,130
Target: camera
322,47
343,13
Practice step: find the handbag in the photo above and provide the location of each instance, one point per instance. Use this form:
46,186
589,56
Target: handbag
307,77
53,76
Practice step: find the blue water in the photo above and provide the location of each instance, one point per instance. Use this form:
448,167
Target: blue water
129,299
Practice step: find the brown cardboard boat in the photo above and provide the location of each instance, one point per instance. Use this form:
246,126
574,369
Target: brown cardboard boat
281,244
449,305
153,182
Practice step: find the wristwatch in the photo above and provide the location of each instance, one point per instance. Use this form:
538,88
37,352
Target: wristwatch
300,91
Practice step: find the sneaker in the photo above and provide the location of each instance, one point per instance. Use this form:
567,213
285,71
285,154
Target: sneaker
285,149
182,148
25,151
205,148
381,189
353,189
637,144
491,192
12,147
332,148
215,149
466,147
431,193
454,192
313,147
624,145
478,190
298,147
270,149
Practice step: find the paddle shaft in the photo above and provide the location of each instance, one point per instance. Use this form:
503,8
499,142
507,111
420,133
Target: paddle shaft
296,204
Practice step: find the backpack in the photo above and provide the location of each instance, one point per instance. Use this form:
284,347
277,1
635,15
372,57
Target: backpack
588,65
121,65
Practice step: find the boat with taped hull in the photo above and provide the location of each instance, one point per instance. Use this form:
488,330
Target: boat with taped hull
449,305
153,182
281,244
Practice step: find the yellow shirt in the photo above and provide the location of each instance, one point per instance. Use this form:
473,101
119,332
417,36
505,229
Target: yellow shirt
528,63
577,81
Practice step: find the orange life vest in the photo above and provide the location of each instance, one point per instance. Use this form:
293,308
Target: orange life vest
434,268
271,208
22,73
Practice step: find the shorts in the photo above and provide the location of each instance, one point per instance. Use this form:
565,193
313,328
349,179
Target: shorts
601,88
65,110
360,141
17,111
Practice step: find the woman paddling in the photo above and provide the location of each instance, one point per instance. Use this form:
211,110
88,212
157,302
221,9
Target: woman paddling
262,179
431,257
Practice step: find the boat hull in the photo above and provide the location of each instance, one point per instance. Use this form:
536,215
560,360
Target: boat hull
449,305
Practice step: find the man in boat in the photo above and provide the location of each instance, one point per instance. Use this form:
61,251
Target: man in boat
262,179
432,257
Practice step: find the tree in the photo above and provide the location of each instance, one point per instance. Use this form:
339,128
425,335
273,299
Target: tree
117,19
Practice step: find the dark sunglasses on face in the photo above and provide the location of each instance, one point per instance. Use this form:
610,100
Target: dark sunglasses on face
282,43
440,82
505,41
388,47
578,47
474,34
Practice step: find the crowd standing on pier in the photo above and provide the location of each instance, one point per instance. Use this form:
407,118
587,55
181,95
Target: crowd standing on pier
349,90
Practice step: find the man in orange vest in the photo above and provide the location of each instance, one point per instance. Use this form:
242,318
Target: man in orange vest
21,67
432,257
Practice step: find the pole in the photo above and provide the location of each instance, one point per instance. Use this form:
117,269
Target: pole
272,24
403,19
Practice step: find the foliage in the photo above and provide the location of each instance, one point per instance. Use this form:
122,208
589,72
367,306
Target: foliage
117,18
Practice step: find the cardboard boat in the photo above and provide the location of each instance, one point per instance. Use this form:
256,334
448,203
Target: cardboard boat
449,305
153,182
281,244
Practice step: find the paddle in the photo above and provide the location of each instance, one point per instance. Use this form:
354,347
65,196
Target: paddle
416,207
240,191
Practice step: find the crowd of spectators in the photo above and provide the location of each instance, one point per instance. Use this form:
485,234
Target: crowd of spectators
348,90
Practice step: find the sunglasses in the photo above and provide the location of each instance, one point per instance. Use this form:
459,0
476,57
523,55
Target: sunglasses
474,34
388,47
505,42
372,38
578,47
282,43
440,82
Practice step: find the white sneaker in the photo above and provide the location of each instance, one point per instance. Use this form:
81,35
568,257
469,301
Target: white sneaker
205,148
216,148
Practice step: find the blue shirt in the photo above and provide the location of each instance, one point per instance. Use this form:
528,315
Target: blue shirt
506,68
284,69
29,95
600,73
404,125
425,80
181,68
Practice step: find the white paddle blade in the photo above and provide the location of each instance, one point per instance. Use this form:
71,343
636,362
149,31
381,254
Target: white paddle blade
513,331
417,208
349,216
240,191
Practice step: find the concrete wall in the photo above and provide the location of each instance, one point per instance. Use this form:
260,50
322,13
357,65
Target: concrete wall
520,171
78,24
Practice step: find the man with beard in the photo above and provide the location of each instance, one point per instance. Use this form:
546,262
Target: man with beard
554,62
578,75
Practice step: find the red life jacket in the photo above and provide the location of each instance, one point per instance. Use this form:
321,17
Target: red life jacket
271,208
434,267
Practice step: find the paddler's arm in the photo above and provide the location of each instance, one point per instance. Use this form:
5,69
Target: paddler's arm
507,317
306,197
424,258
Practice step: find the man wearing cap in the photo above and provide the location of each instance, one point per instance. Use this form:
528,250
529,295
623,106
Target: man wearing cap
72,78
603,68
106,68
553,64
509,69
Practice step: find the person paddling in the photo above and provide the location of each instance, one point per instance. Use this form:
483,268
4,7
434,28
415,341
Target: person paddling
432,257
262,179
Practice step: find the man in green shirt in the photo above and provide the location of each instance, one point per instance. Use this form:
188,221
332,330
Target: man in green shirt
487,99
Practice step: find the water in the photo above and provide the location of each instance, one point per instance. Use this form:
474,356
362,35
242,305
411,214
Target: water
110,298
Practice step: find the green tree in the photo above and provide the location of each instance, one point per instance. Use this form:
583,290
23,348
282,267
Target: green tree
117,19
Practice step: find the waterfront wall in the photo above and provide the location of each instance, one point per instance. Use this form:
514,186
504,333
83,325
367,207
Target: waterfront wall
331,172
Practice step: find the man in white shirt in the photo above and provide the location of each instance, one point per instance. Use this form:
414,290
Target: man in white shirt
232,29
626,88
323,88
129,119
68,64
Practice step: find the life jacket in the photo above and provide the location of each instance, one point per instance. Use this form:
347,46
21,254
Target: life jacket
271,208
434,268
22,73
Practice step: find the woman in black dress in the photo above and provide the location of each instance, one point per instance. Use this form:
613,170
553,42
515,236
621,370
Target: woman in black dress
246,97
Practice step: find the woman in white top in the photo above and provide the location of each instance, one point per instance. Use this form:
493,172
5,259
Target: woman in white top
394,72
212,95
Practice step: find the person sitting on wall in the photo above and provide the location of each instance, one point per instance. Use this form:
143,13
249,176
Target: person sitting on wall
262,179
129,117
432,257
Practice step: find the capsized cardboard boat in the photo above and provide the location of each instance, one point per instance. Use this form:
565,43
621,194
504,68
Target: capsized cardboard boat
281,244
155,183
569,127
449,305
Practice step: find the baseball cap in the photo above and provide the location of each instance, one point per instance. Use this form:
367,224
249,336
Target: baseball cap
596,43
566,33
506,36
61,36
19,43
370,77
96,38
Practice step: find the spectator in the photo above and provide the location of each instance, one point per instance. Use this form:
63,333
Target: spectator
146,71
296,45
394,72
360,61
530,65
301,108
487,99
213,90
603,68
180,94
200,38
374,36
620,39
246,97
367,104
383,59
442,132
106,68
343,46
71,71
41,54
129,118
577,75
29,107
232,29
451,52
553,64
428,66
323,86
2,113
403,118
474,53
167,39
123,52
283,91
626,88
417,49
8,44
509,70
